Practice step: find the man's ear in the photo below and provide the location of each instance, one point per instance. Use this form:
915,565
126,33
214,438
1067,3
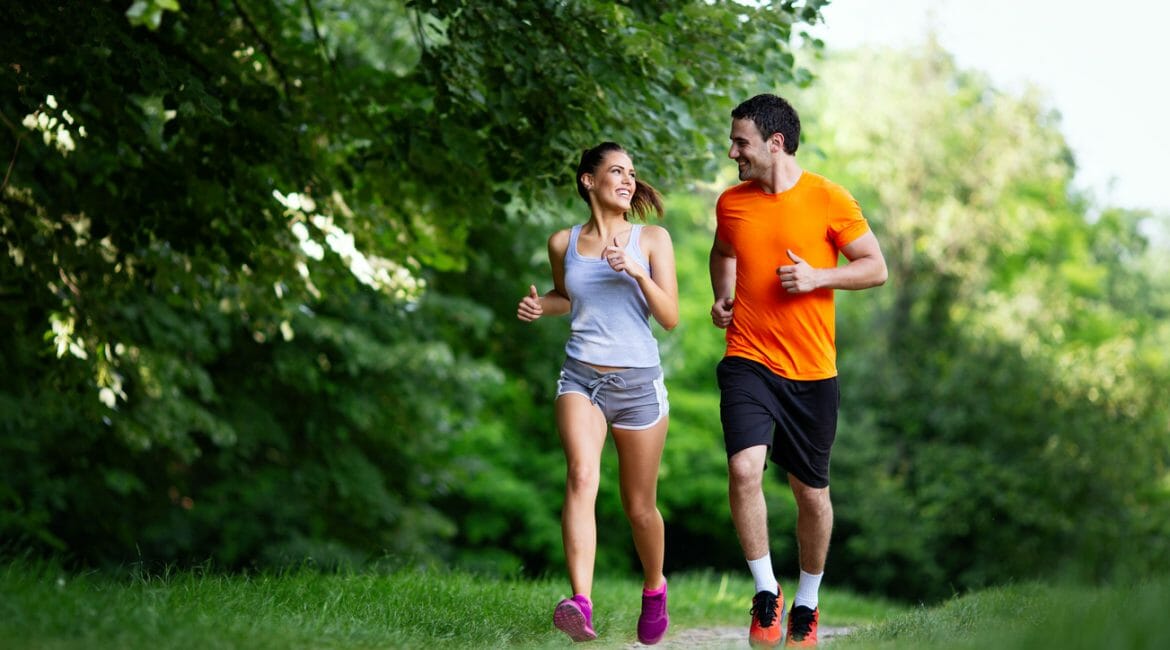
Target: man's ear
776,140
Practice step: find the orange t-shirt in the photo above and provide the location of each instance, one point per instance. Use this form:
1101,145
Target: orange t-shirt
792,335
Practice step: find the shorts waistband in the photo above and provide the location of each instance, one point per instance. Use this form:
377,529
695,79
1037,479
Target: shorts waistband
630,376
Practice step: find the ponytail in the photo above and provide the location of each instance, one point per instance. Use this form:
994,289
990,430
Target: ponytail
646,199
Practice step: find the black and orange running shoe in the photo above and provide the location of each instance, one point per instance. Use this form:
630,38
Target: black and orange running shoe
767,628
802,627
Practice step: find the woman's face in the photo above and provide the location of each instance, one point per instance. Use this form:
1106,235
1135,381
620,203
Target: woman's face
612,184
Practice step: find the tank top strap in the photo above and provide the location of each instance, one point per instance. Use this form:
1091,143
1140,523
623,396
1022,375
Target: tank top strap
635,244
574,234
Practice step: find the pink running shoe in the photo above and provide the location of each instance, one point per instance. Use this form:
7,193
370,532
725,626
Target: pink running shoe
654,620
574,616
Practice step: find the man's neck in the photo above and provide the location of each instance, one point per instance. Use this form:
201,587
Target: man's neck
785,174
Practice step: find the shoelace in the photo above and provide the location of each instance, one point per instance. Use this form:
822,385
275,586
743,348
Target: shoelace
653,605
596,385
764,608
801,620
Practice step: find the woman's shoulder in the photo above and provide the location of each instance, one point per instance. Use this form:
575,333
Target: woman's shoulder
655,233
559,240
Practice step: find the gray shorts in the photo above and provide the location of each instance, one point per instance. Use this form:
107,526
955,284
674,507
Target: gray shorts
634,398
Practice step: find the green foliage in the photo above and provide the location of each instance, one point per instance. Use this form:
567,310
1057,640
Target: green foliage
149,13
256,256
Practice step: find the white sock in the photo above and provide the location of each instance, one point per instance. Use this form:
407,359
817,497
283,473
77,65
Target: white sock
762,572
806,590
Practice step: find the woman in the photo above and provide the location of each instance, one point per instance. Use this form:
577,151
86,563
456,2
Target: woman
610,276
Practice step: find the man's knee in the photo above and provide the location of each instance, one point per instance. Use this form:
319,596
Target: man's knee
745,470
813,501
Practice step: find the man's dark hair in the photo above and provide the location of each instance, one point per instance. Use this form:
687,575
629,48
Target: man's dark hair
772,114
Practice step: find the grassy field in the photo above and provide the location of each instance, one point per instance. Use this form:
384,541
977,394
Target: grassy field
42,606
1032,617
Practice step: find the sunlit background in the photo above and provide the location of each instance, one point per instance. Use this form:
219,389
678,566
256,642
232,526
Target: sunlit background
1103,66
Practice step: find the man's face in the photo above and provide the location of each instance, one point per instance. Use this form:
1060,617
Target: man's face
749,150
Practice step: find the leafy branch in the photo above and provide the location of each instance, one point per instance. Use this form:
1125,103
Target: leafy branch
266,46
19,136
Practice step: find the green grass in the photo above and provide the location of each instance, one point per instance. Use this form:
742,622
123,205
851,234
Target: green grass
42,606
1031,617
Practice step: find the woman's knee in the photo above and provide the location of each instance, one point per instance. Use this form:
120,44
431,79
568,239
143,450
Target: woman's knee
583,479
642,515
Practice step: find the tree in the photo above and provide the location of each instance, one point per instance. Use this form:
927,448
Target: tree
230,228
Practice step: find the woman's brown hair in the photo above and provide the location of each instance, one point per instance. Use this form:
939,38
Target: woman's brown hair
646,199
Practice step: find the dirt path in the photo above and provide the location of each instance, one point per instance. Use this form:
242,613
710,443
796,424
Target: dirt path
725,637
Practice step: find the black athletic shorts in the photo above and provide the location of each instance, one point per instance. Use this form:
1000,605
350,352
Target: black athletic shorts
797,419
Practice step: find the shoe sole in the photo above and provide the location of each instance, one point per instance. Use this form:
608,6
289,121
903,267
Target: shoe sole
571,621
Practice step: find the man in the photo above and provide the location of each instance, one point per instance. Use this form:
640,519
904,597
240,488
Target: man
774,267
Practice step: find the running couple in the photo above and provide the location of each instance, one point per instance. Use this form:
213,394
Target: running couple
774,266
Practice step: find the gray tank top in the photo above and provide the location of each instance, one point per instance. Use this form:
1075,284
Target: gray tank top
609,321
